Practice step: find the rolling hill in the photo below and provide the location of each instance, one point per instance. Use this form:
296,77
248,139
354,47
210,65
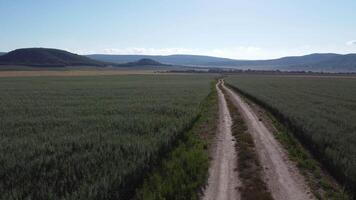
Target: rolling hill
171,59
341,63
277,63
328,62
43,57
144,62
216,61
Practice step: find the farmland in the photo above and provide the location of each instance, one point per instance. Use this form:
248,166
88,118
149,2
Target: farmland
91,137
320,111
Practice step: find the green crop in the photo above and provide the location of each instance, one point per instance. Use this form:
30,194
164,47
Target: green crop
90,137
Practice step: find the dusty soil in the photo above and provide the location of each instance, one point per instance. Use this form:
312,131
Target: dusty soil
223,180
281,175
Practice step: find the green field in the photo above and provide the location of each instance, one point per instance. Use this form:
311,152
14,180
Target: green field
321,111
90,137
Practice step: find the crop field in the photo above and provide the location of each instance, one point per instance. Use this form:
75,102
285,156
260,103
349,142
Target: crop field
321,111
91,137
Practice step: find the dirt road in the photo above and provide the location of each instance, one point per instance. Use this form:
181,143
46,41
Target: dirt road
223,178
281,175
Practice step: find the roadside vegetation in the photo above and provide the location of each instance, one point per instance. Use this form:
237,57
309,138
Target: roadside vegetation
95,137
250,170
185,170
322,186
316,112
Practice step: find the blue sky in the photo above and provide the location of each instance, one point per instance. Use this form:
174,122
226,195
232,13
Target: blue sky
254,29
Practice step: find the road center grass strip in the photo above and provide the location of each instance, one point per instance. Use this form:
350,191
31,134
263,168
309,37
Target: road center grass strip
184,172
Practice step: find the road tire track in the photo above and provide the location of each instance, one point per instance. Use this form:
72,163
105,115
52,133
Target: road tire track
223,180
281,175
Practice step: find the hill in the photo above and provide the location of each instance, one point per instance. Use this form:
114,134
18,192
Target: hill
341,63
216,61
145,62
43,57
171,59
314,62
277,63
2,53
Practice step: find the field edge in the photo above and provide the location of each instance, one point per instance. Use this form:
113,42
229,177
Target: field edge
184,172
321,183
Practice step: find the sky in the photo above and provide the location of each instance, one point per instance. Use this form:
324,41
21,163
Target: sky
240,29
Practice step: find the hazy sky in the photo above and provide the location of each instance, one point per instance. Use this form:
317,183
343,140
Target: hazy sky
244,29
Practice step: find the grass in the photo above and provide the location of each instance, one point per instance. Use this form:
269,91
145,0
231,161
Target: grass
316,113
321,185
250,170
91,137
183,173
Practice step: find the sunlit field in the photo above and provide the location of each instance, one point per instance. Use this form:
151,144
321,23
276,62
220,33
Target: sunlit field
90,137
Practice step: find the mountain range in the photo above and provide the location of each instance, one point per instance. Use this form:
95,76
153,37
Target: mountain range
43,57
340,63
170,59
328,62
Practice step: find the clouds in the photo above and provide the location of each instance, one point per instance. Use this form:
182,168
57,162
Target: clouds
247,52
351,43
149,51
237,52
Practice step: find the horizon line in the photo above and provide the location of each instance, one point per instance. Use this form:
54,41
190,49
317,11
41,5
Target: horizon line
177,54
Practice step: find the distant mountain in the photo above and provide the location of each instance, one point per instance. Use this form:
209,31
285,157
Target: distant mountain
344,62
43,57
340,63
2,53
145,62
216,61
300,60
313,62
171,59
285,61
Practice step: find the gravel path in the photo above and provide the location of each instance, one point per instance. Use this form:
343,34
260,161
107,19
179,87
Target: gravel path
281,175
223,176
